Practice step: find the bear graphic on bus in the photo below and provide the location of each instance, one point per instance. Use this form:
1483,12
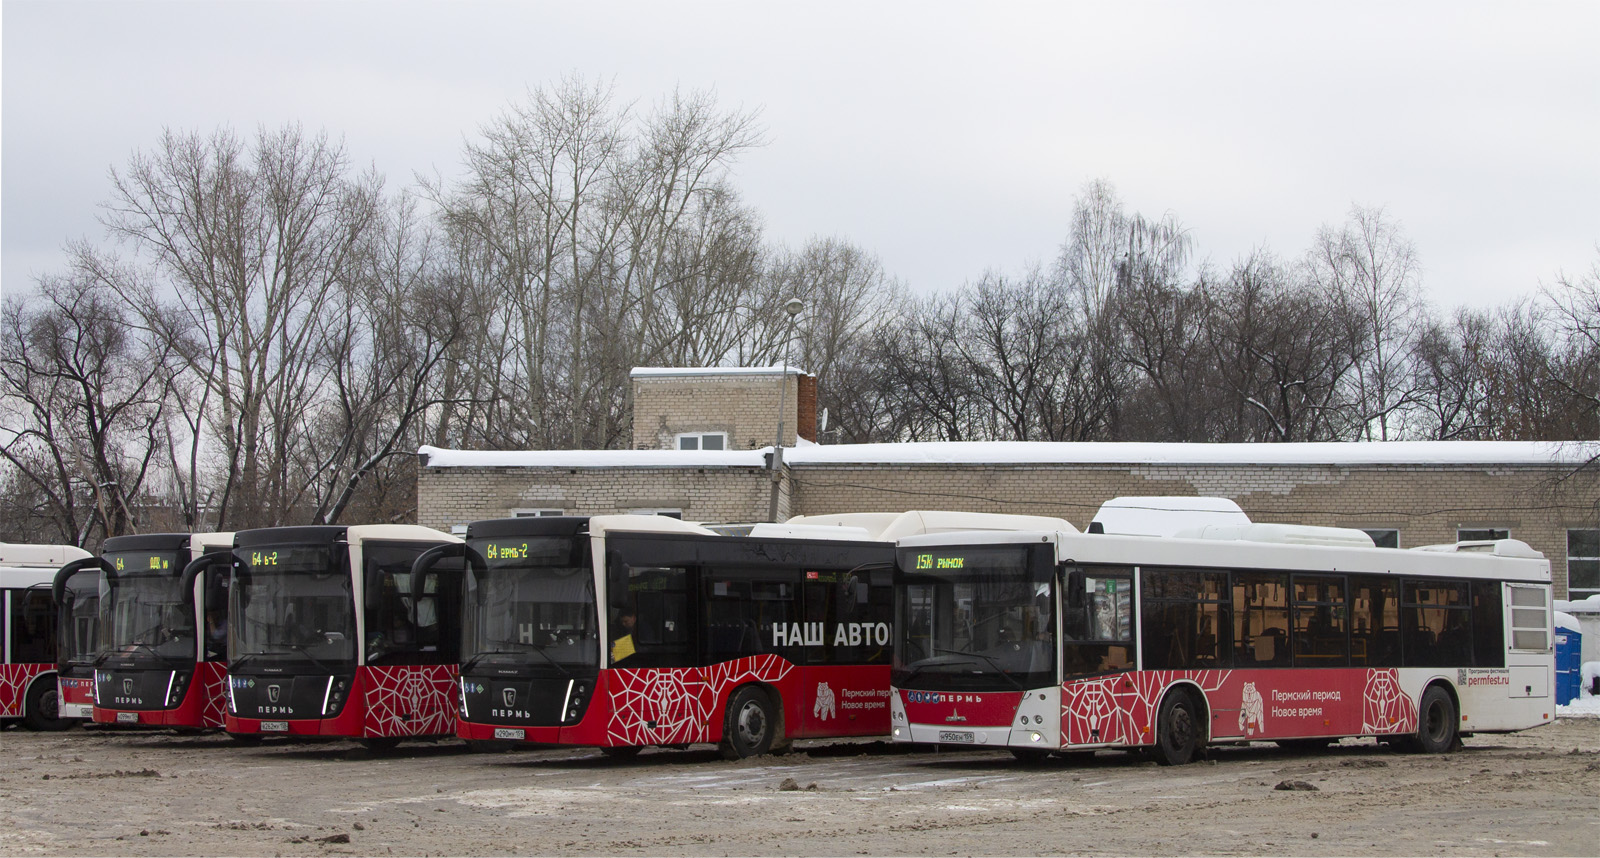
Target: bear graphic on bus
823,709
1252,710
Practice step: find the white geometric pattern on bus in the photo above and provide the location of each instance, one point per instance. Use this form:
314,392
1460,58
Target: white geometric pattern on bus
1385,707
411,700
14,679
681,701
212,677
1121,709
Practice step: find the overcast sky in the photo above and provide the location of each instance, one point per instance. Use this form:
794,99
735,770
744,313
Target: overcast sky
946,138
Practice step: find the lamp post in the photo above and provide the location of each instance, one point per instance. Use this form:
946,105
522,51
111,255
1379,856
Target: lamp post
793,306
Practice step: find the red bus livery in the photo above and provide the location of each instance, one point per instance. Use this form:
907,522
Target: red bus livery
626,631
76,592
330,636
29,635
1063,641
160,662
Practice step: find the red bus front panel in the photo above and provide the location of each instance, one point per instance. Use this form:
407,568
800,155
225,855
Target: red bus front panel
76,696
397,701
202,705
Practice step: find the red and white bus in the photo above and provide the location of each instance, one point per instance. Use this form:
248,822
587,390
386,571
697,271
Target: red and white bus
161,660
627,631
327,636
1059,641
28,636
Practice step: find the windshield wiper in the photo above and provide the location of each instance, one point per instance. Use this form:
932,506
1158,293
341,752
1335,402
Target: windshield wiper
990,660
471,662
538,649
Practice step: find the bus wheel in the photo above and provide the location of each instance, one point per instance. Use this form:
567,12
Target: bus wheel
42,709
381,744
621,752
748,731
1177,729
1436,723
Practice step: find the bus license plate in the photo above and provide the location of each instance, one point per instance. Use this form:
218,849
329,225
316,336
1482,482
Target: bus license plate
509,733
962,736
274,726
127,717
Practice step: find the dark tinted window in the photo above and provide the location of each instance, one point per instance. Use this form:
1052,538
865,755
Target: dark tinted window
1436,624
742,608
1261,619
1488,625
1374,621
855,610
1320,621
1185,619
650,624
33,626
407,624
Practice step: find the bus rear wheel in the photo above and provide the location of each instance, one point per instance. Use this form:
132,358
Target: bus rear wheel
750,726
1178,731
42,709
1436,723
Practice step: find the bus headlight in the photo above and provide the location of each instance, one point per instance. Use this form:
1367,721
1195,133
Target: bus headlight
1035,737
897,732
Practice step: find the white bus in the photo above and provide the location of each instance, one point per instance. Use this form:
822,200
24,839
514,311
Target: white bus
1057,641
28,633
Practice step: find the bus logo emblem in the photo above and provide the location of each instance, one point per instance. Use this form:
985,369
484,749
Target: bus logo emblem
272,693
508,696
127,687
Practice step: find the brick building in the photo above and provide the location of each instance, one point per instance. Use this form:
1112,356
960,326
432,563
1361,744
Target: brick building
1405,493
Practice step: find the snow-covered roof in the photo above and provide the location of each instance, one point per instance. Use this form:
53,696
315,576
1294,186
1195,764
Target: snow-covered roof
1139,453
1045,453
672,371
438,458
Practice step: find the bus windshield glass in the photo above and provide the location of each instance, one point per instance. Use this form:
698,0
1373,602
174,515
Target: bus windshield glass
80,632
976,618
530,601
292,603
143,613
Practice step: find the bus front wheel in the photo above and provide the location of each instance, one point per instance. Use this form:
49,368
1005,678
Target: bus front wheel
42,709
1436,723
751,724
1177,729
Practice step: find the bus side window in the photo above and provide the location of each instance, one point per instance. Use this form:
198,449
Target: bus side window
1488,625
1186,623
1436,623
742,607
33,626
1261,619
657,605
1374,622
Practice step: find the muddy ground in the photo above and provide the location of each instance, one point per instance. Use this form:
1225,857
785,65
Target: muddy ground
91,792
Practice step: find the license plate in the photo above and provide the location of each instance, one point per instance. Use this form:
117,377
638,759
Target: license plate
962,736
127,717
509,733
274,726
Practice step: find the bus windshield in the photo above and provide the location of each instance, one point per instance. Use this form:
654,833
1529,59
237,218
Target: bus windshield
144,614
79,632
974,618
292,602
528,604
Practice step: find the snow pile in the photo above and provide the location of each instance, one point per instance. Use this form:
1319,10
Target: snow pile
1590,605
1567,621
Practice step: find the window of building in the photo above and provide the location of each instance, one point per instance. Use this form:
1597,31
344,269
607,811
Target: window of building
537,512
668,512
1583,563
1383,537
1482,534
1530,619
703,441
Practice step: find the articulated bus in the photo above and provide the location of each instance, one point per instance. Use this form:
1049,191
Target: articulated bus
163,630
627,631
329,636
28,688
1065,641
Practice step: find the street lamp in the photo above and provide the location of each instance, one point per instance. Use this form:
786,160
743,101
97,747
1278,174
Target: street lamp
793,306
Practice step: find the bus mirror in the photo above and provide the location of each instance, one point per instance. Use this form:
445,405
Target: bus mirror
1075,585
